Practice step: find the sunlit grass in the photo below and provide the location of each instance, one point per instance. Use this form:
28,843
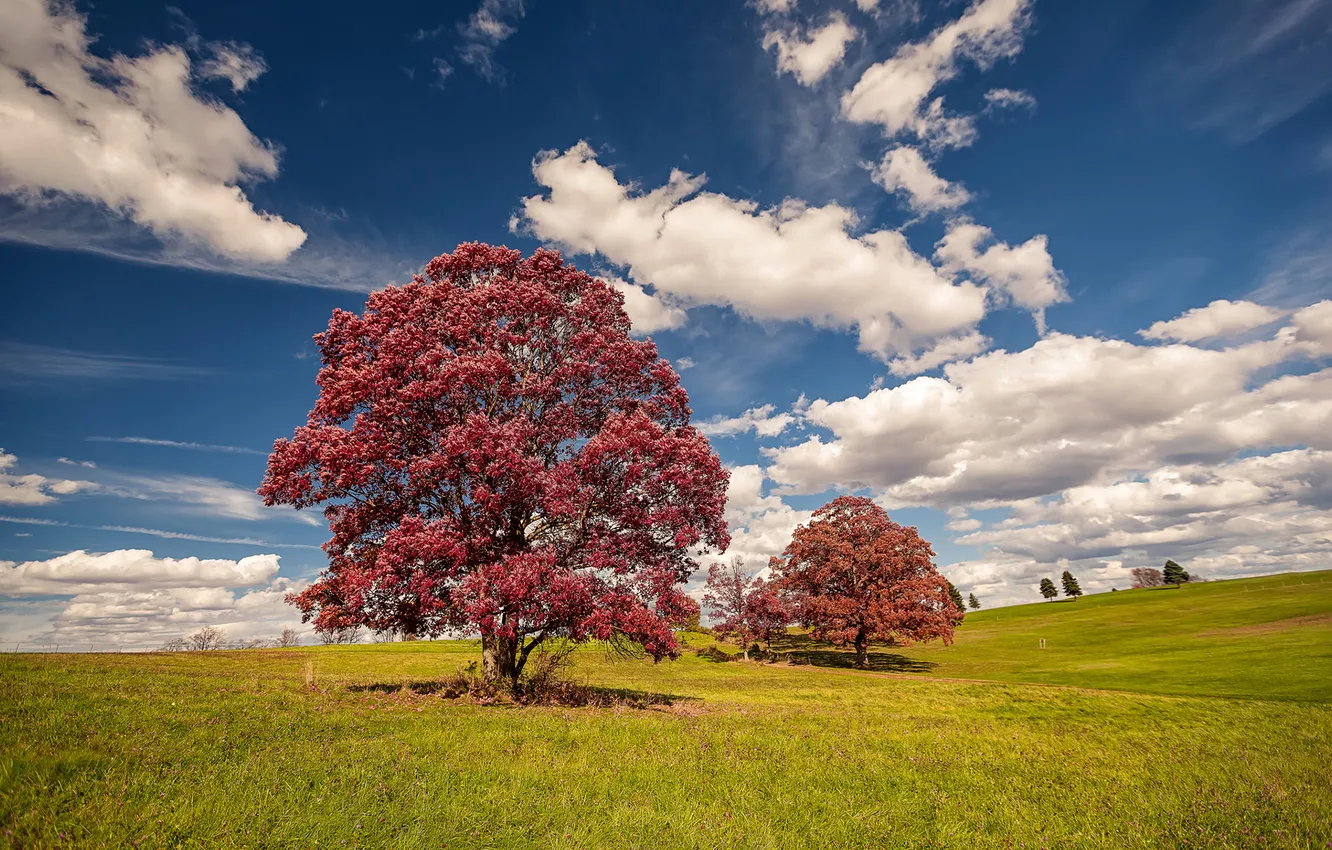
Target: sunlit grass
234,750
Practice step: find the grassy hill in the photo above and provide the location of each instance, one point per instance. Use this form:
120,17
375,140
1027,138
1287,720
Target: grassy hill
1268,637
355,747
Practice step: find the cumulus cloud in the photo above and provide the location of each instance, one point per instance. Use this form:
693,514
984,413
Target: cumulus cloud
1219,319
1026,274
792,262
1067,412
33,489
131,596
760,525
904,170
763,421
648,312
128,569
896,93
944,351
810,56
131,134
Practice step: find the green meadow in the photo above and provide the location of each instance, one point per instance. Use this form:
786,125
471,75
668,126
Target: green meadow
1192,718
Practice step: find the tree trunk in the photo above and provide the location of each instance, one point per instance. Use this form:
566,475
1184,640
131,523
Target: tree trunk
862,650
499,660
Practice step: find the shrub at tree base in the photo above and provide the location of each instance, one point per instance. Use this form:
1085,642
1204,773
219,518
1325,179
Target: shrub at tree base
496,455
853,575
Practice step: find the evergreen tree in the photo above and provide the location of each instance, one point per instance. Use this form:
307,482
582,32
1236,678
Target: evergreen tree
955,595
973,601
1048,589
1174,574
1070,585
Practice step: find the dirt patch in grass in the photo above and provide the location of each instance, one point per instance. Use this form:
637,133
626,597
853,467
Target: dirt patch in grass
1274,626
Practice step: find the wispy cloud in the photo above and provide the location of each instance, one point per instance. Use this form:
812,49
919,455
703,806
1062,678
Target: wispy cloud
1243,66
178,444
23,363
155,532
332,257
488,27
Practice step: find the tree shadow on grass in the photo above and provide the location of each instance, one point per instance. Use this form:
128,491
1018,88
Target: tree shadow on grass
567,694
801,649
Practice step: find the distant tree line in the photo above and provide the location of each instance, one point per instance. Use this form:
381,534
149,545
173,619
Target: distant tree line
212,638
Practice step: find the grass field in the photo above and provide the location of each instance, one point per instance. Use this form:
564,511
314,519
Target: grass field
1222,742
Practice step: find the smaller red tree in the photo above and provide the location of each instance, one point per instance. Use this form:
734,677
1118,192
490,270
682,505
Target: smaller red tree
747,607
853,575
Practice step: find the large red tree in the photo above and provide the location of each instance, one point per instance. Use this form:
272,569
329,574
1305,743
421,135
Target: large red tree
496,455
853,575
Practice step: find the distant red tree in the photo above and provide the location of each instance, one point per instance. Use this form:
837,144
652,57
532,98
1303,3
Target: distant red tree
853,575
747,608
498,456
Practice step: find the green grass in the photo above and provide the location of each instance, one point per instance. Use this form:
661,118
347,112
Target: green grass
1268,638
235,750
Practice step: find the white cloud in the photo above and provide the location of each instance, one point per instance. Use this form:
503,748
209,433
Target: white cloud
684,363
187,493
762,420
33,489
1311,328
131,597
129,569
648,313
944,351
793,262
1221,318
130,133
238,64
775,7
1008,99
903,169
1067,412
1026,273
178,444
23,363
760,525
1248,516
810,57
490,25
200,494
895,93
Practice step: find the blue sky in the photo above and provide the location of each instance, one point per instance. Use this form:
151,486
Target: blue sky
1048,280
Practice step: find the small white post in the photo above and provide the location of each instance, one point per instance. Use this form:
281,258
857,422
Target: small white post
1042,643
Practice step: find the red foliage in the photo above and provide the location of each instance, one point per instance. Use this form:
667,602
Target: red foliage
497,455
853,575
747,607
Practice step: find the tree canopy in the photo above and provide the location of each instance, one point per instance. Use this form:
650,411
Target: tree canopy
1048,589
496,455
1070,584
1174,574
853,575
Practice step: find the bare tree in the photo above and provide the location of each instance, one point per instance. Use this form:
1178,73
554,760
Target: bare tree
1147,577
176,644
342,635
209,637
288,638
